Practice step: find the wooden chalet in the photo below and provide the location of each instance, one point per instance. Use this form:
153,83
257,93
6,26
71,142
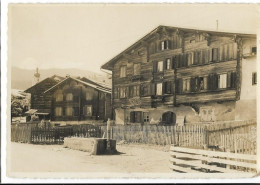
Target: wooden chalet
178,75
75,99
40,101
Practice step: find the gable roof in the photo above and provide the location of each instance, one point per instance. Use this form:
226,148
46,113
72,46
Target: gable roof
95,82
98,87
108,65
54,79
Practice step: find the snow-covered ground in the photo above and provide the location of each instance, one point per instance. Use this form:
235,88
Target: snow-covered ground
134,158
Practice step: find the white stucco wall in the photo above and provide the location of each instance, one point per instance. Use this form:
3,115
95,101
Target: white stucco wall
246,106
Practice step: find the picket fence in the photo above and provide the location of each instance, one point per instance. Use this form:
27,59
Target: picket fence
31,133
233,136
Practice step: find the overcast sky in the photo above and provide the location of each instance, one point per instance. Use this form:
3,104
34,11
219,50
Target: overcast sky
86,36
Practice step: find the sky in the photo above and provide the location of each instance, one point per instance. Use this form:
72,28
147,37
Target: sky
85,36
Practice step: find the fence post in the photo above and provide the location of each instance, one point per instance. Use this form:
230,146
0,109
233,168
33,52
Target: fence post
206,137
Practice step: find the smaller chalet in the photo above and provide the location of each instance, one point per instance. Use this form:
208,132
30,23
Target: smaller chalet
79,99
39,101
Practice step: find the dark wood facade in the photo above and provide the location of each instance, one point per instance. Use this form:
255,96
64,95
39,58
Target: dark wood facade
40,100
76,100
172,66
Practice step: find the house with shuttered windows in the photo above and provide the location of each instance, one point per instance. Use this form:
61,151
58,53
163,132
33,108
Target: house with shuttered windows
179,76
80,99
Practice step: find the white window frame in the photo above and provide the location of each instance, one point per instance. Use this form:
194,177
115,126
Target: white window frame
86,110
222,84
159,89
160,66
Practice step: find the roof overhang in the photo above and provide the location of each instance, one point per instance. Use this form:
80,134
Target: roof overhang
109,65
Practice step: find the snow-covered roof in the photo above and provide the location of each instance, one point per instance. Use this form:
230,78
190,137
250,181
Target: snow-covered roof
98,87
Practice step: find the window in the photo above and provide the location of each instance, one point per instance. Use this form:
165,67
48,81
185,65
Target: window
76,98
88,110
167,87
254,50
134,91
254,79
116,91
215,54
179,85
146,117
159,89
186,85
136,117
123,71
160,66
231,79
59,97
68,111
122,92
69,97
137,69
164,45
190,59
168,64
145,89
88,95
222,83
58,111
76,111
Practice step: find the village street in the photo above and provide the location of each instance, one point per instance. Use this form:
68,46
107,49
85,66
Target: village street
134,158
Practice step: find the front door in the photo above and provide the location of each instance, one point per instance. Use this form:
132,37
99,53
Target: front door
169,118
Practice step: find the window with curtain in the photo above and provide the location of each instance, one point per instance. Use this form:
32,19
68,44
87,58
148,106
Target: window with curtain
88,110
137,69
58,111
59,97
69,111
122,71
69,97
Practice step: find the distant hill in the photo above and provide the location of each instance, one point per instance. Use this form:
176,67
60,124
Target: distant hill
23,78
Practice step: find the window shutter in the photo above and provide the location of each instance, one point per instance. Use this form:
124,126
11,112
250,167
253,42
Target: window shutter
233,79
209,55
163,88
215,54
228,80
199,57
153,89
155,66
195,57
170,44
165,64
210,82
132,117
181,60
216,79
177,61
192,84
180,85
186,59
235,50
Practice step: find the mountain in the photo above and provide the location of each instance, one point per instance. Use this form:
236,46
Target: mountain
23,78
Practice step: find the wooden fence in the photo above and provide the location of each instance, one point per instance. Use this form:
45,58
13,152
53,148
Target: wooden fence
31,133
189,135
49,135
232,136
237,137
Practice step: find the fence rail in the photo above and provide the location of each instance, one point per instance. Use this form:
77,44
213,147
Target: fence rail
31,133
236,136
